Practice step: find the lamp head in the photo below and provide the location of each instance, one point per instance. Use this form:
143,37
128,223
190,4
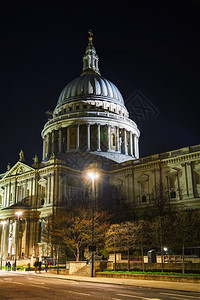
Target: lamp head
93,175
18,213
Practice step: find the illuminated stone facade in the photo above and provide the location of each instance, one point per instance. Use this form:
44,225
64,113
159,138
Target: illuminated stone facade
90,126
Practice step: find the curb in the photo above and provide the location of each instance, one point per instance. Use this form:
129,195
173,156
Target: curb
93,280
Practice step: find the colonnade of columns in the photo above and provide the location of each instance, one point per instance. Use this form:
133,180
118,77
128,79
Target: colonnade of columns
107,138
8,239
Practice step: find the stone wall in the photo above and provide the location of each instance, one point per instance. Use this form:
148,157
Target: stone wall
155,266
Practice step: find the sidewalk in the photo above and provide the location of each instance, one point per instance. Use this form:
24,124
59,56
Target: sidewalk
181,286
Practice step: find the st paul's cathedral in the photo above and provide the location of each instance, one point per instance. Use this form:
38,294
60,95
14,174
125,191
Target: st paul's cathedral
89,130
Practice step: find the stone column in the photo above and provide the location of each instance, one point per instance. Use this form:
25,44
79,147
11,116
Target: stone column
6,195
60,141
178,185
32,234
10,191
27,238
108,137
48,145
118,139
125,142
78,132
88,137
10,233
53,142
131,143
190,179
24,238
52,189
44,143
99,137
47,191
136,146
185,181
68,140
6,239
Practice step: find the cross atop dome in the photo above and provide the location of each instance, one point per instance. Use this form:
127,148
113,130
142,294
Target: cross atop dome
90,37
90,59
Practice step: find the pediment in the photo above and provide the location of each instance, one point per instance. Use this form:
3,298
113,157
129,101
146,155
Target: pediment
143,177
43,181
18,169
173,171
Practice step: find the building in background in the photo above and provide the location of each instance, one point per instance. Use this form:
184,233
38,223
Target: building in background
89,128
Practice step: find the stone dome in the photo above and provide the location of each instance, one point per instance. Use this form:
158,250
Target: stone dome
90,123
90,86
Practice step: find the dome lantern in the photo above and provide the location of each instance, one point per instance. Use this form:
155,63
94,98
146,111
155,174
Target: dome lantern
90,59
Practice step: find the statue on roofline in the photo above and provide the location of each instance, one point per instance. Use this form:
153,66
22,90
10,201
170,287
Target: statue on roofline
21,156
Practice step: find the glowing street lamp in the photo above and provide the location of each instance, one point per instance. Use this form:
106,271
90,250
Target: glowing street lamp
3,223
18,214
93,176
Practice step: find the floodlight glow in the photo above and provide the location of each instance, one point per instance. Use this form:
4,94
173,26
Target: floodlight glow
18,213
3,222
165,249
93,175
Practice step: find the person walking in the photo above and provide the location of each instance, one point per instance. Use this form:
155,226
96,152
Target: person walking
39,266
14,267
36,264
46,265
9,266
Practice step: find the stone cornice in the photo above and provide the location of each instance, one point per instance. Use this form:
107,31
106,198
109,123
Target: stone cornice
93,118
140,164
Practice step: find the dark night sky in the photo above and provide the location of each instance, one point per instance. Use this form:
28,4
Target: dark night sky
147,46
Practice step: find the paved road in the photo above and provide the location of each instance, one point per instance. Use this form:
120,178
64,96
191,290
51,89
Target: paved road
27,286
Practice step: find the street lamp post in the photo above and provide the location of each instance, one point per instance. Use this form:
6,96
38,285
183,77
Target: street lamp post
3,223
18,213
93,176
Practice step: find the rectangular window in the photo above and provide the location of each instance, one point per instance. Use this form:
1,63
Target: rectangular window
144,199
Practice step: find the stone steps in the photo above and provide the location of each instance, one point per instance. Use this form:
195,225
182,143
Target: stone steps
84,271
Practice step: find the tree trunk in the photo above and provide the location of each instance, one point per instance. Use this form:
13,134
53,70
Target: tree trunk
128,260
58,260
183,257
115,259
77,254
142,254
161,244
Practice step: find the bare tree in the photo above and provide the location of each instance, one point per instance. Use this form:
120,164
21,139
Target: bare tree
186,229
145,236
160,201
73,229
112,241
127,235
